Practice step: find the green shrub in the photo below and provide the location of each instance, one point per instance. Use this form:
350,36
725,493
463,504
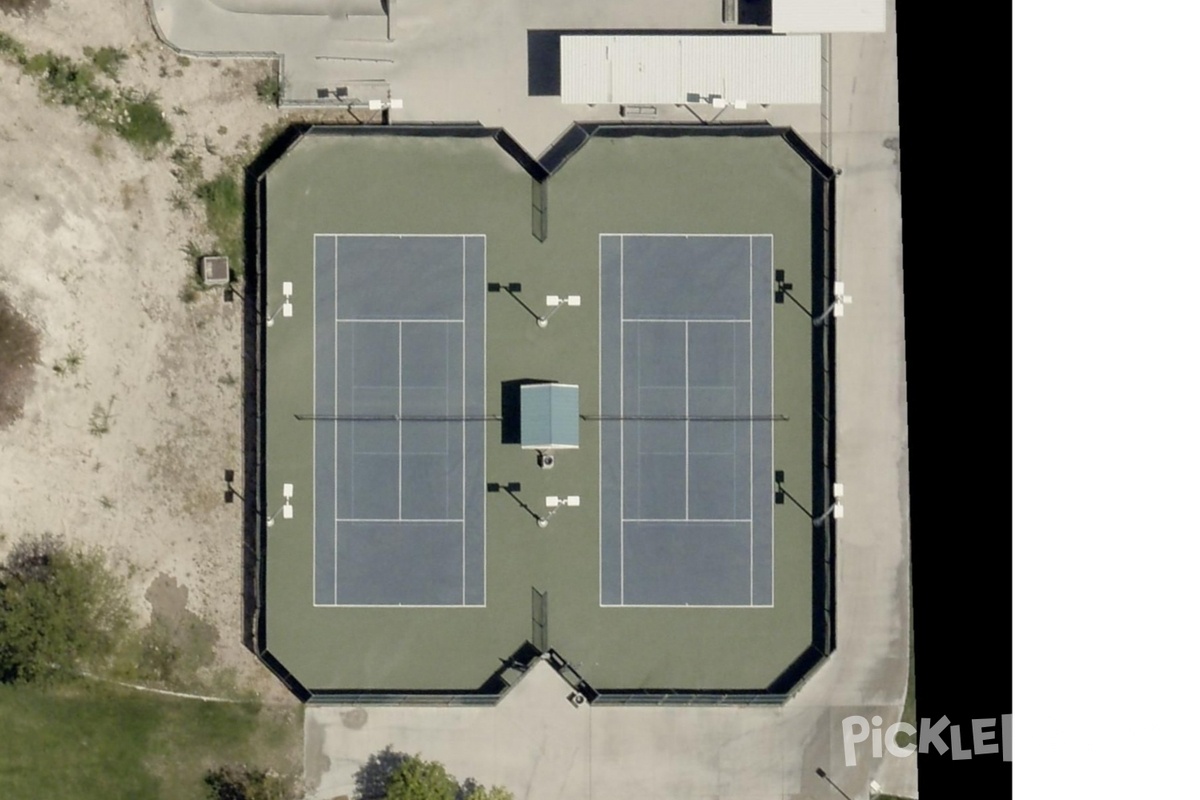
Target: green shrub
270,89
223,211
240,782
142,122
137,118
106,59
10,47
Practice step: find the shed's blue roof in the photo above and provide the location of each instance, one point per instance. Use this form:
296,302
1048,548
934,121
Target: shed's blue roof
549,415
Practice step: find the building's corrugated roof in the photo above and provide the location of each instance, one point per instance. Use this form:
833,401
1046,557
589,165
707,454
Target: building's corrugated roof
679,69
549,416
829,16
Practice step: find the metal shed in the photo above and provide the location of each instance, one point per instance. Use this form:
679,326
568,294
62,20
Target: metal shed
550,416
828,16
736,69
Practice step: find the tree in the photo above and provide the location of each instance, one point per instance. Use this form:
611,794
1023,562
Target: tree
240,782
417,779
389,775
373,778
60,610
473,791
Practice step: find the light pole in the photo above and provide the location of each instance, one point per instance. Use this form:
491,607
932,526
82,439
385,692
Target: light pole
821,773
511,490
838,307
512,289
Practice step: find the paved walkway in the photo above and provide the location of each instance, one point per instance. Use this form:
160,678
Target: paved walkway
448,60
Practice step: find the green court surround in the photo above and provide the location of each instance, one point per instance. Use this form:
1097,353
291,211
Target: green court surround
542,221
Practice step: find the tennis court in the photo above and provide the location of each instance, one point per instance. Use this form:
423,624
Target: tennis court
687,420
398,375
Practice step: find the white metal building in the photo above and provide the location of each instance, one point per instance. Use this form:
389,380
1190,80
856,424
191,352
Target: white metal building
828,16
735,69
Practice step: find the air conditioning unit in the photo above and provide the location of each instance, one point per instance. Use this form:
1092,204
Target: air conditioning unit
577,699
545,460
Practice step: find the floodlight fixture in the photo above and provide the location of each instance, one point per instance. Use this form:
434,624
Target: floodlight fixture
287,509
838,307
286,307
571,501
555,302
554,504
836,509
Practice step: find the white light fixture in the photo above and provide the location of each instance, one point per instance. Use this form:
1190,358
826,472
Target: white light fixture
572,501
836,510
838,307
841,299
554,504
286,308
287,510
555,302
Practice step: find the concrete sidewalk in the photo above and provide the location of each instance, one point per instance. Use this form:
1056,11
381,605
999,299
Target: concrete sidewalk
456,61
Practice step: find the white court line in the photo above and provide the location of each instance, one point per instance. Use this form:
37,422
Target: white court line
400,423
621,344
770,276
314,430
463,377
397,605
686,319
750,241
400,235
689,519
335,413
398,519
701,606
600,403
688,235
485,438
393,321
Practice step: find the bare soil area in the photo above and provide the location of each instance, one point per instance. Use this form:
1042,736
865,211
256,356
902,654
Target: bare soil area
135,409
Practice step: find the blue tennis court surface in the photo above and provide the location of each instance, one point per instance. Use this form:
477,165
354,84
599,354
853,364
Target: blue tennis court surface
399,370
687,501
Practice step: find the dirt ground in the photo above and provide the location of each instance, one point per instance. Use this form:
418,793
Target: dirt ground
93,255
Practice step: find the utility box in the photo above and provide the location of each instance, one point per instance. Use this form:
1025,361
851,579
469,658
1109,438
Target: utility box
214,270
